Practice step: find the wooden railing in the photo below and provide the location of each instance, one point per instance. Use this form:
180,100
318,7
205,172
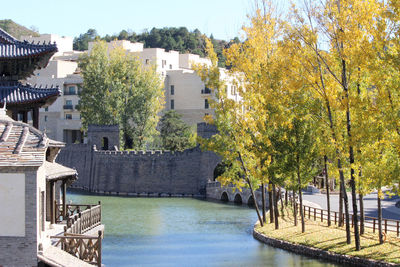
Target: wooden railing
86,248
80,219
71,210
84,220
388,225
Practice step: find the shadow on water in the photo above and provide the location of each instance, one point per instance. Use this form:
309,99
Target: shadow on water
183,232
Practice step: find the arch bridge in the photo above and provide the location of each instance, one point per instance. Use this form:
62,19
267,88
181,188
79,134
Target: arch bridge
230,193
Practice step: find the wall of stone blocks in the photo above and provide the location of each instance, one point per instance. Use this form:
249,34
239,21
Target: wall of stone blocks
153,172
22,251
141,172
96,133
80,157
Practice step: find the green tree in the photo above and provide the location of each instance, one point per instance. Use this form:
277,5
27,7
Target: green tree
117,89
176,135
81,42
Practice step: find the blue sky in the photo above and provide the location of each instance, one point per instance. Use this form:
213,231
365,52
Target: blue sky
222,18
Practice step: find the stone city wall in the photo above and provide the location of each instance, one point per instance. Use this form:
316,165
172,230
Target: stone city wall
154,173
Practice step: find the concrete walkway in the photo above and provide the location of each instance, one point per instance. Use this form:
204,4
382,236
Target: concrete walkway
54,256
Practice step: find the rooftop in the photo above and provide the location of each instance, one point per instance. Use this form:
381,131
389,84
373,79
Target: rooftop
17,93
10,47
24,145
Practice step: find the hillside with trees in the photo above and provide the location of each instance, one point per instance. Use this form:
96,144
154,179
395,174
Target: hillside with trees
178,39
15,29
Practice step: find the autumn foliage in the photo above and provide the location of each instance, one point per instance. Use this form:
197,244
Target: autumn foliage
321,80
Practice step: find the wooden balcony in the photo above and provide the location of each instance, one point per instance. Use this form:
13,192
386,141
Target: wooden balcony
78,238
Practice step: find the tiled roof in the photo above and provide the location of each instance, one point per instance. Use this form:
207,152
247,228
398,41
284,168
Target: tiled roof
5,37
12,48
23,145
15,93
20,144
56,171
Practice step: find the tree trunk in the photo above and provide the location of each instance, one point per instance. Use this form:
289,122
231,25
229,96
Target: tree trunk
328,201
303,226
263,202
276,207
332,127
343,195
362,227
294,208
346,204
280,197
380,216
255,203
286,197
276,212
351,157
341,222
270,204
251,190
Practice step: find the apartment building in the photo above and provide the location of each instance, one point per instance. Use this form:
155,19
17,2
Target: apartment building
61,121
184,90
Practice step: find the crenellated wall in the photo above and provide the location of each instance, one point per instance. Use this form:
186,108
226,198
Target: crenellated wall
154,173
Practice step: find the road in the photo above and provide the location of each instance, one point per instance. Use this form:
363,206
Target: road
389,209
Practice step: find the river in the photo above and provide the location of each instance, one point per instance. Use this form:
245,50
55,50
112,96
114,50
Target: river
183,232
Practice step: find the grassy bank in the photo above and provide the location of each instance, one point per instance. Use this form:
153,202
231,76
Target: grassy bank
333,239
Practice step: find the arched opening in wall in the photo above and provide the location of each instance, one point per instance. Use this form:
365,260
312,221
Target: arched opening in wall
250,201
104,143
238,199
224,197
128,141
219,170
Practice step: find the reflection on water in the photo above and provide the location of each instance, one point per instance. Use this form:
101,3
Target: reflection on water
183,232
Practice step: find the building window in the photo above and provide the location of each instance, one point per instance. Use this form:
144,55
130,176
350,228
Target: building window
172,90
170,66
163,63
147,61
46,109
68,116
172,104
45,118
70,90
206,105
68,102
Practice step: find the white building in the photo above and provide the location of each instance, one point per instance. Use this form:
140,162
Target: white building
184,90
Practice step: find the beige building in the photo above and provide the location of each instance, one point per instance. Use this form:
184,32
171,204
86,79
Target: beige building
184,90
61,120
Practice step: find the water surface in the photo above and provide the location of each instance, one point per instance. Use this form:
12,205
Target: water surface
183,232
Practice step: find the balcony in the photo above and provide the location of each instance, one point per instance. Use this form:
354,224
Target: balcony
70,93
71,107
206,91
83,231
